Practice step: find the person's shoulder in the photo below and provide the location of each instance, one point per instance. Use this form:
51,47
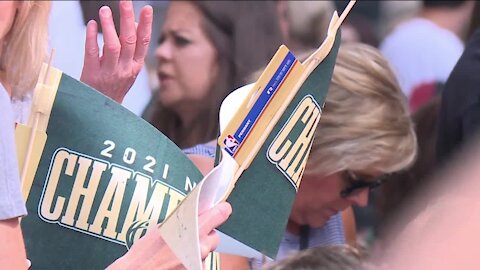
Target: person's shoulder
407,28
11,201
5,104
414,33
3,93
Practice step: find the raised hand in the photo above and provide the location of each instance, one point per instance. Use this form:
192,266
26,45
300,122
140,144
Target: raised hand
123,56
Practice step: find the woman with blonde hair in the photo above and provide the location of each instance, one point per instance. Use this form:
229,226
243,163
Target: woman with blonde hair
23,39
365,133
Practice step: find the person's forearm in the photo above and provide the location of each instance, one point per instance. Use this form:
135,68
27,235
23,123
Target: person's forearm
12,248
149,252
125,264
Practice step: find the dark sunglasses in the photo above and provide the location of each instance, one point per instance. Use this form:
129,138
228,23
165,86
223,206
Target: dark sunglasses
356,183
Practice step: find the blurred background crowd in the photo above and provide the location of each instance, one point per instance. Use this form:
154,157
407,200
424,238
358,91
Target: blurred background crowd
202,51
422,41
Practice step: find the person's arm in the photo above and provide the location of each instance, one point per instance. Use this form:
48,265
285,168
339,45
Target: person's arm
12,248
123,55
12,206
151,252
203,163
229,261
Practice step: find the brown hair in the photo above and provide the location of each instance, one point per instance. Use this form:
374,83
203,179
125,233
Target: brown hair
231,27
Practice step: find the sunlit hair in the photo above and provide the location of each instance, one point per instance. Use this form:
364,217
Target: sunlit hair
365,124
25,46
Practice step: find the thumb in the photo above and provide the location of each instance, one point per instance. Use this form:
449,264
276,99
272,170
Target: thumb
214,217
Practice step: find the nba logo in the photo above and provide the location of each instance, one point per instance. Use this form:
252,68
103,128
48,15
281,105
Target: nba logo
231,143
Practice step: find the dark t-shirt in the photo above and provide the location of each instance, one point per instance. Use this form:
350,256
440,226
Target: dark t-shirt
459,117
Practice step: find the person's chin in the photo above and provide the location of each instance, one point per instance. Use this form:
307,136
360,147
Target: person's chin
166,99
322,218
318,222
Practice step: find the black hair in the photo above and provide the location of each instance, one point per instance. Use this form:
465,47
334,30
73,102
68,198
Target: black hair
443,3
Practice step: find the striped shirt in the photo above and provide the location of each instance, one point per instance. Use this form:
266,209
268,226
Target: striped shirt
332,233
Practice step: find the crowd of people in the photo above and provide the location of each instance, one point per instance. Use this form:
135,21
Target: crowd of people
399,114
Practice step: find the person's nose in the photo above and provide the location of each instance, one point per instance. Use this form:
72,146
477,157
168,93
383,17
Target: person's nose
359,199
164,51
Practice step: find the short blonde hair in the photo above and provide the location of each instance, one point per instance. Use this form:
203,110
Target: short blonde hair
365,123
25,46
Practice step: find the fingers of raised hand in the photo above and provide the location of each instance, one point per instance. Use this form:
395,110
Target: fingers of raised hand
91,61
112,46
144,33
128,33
123,56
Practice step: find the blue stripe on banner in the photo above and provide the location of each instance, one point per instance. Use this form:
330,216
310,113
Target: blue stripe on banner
260,105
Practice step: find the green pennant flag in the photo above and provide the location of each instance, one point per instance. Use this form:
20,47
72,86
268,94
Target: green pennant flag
264,193
95,176
267,129
103,176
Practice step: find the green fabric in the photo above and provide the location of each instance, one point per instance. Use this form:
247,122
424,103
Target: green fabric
263,196
81,121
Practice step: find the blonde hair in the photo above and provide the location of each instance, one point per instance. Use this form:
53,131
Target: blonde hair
25,46
365,123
